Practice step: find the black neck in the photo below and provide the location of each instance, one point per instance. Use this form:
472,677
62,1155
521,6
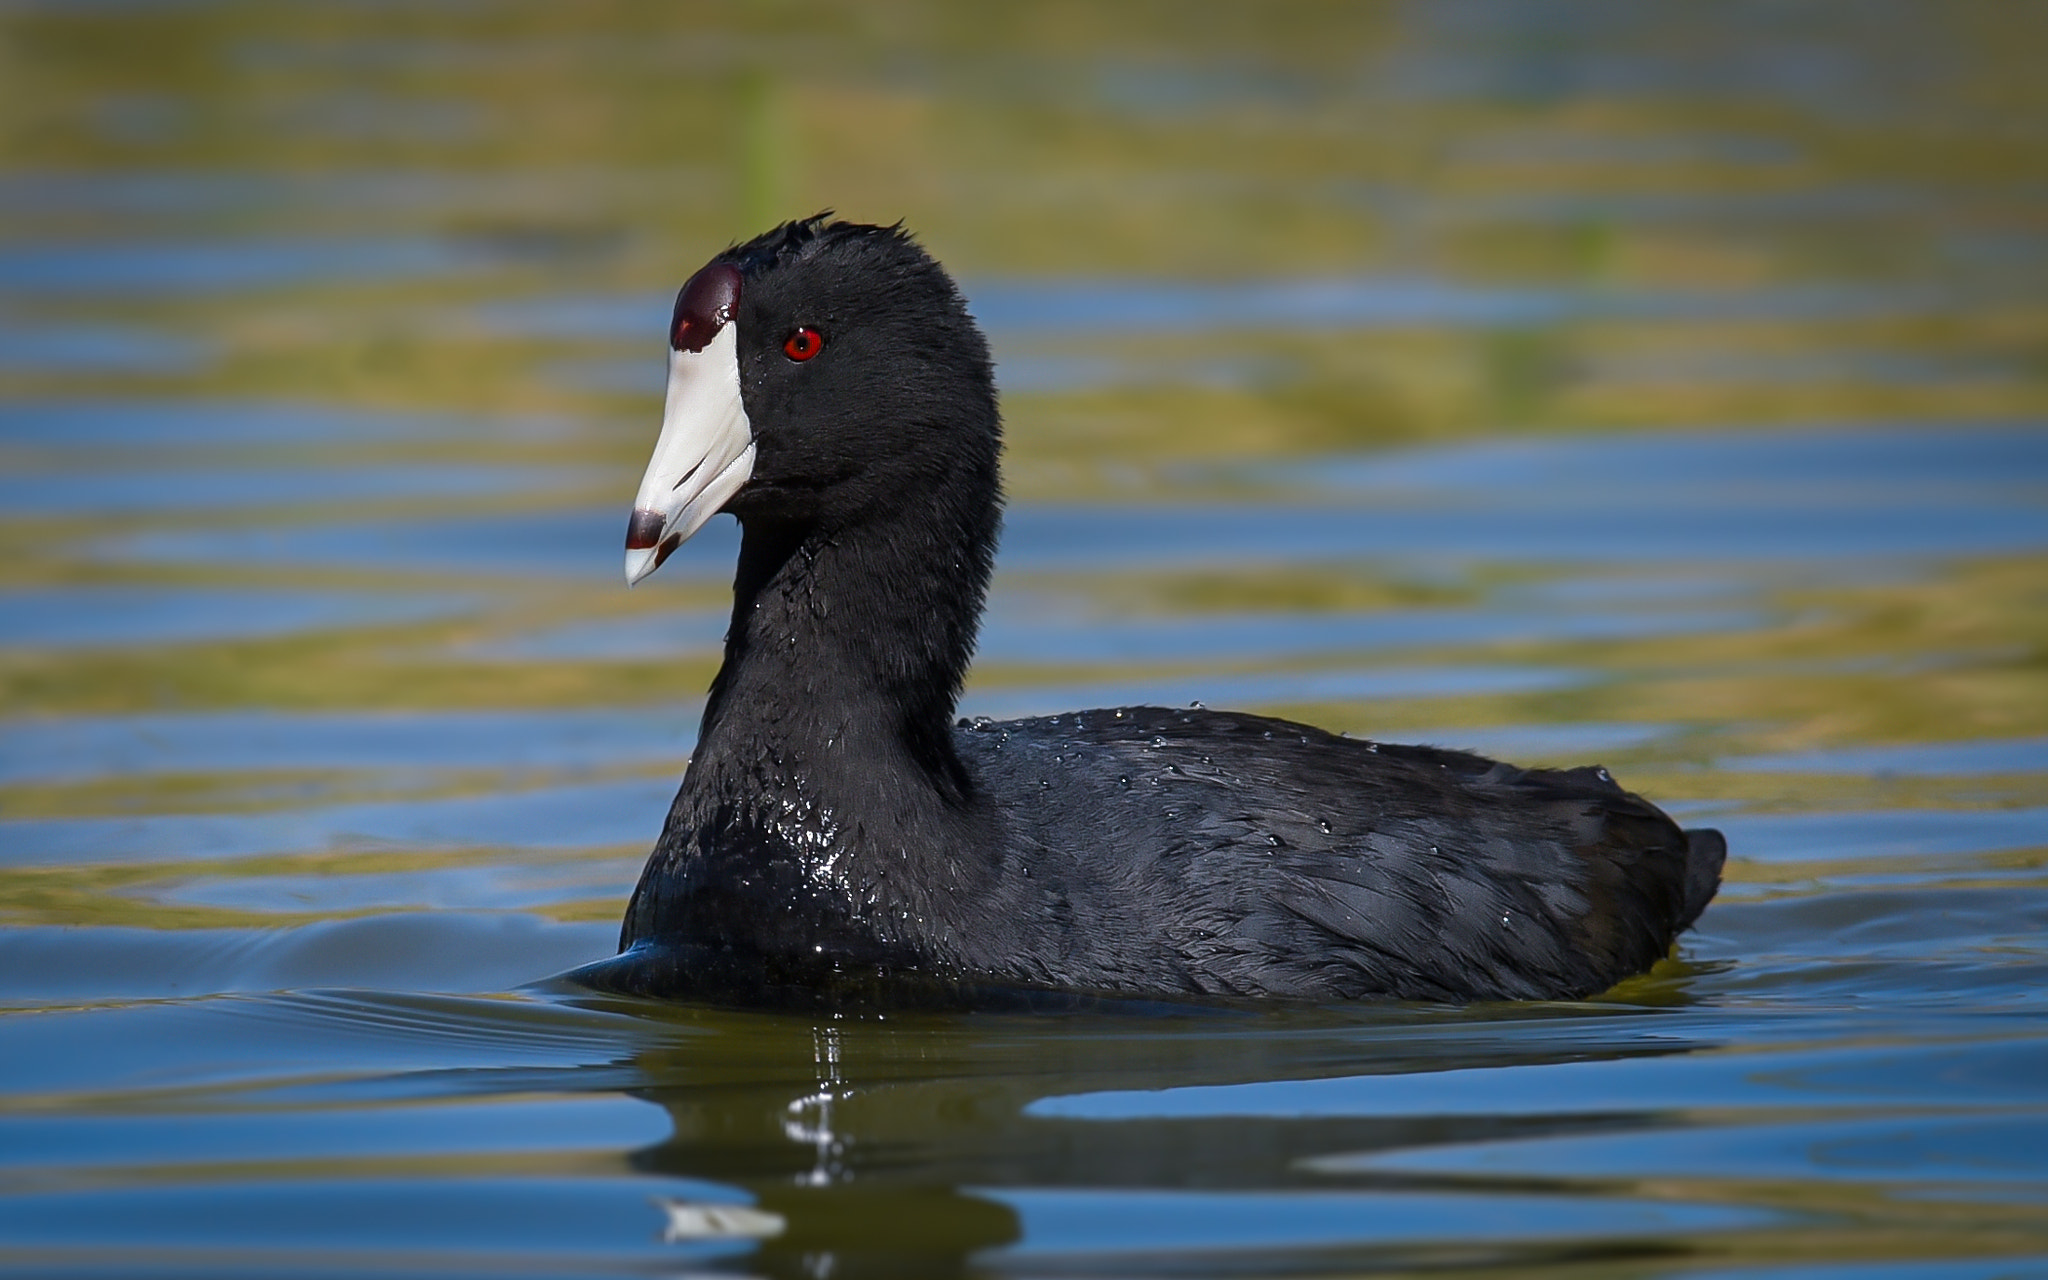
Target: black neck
850,641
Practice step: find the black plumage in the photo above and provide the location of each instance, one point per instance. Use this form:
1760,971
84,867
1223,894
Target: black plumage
839,839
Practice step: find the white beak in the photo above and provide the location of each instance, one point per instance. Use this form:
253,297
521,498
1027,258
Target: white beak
704,455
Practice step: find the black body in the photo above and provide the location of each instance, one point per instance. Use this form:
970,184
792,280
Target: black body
840,840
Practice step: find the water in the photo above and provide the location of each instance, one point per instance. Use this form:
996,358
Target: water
1590,382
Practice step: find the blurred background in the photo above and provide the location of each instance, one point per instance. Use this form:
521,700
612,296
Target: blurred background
1663,385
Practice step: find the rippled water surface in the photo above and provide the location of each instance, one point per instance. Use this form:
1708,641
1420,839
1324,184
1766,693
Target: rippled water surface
1659,386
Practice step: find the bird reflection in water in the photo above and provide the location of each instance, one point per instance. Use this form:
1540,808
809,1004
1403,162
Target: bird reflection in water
826,1205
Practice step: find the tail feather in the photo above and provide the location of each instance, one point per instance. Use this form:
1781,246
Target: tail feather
1705,851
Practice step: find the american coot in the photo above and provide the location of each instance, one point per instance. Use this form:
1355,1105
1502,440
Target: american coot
840,841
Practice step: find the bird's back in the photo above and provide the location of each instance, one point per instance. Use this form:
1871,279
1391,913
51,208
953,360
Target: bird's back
1165,852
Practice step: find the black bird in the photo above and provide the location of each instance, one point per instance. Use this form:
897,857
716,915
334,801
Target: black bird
840,841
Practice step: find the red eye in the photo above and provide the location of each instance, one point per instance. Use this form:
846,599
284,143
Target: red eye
803,344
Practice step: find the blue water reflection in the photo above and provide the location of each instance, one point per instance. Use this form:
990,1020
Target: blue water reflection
198,267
